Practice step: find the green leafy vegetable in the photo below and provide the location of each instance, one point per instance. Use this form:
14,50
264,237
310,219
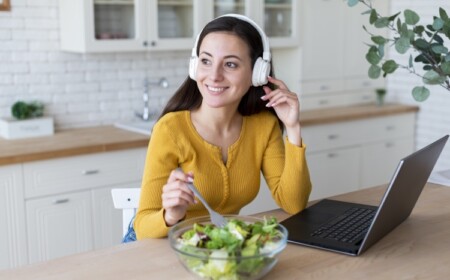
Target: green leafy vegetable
238,250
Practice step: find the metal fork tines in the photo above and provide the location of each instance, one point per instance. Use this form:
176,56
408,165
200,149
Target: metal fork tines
217,219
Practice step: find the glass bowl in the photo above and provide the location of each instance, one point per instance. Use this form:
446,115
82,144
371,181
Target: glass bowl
249,261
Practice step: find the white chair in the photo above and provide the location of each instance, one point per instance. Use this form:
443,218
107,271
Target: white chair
126,199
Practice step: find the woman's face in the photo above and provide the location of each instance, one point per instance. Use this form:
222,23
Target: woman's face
224,71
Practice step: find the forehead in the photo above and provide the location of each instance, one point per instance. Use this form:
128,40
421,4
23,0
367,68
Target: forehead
224,43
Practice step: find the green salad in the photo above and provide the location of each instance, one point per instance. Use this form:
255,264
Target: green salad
239,250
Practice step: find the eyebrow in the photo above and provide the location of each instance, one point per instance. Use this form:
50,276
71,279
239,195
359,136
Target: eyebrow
227,56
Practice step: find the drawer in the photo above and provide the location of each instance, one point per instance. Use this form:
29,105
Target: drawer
320,101
83,172
358,132
360,83
321,86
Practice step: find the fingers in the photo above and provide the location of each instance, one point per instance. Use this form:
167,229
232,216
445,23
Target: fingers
279,96
279,83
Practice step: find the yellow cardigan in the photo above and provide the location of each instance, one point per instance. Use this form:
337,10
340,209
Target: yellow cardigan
227,187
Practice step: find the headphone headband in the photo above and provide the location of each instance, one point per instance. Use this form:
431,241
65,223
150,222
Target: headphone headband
261,69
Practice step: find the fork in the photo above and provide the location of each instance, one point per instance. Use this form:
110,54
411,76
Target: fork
217,219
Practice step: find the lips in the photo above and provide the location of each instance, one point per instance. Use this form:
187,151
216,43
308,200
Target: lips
215,89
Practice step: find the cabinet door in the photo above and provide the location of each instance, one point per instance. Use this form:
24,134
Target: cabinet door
13,251
322,39
281,22
107,219
173,25
59,225
380,160
334,172
103,25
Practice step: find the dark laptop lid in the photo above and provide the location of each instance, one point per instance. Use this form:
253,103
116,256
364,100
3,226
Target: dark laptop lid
403,192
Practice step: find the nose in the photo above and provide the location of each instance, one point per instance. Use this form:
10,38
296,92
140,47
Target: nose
216,73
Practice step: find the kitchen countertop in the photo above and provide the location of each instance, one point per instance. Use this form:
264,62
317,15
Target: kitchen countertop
97,139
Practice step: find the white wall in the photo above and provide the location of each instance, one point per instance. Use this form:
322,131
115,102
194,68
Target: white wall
434,117
78,89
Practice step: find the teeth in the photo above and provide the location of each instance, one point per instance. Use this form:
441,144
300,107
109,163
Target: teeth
215,89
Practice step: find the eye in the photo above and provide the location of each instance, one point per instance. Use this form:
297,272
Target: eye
231,65
205,61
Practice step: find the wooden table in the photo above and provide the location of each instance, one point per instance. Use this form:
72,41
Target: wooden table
417,249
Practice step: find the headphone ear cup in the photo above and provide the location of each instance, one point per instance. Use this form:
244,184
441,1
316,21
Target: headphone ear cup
193,63
261,70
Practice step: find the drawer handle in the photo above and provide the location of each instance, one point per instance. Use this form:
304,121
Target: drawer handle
389,145
90,172
324,87
323,102
332,155
390,127
61,201
333,136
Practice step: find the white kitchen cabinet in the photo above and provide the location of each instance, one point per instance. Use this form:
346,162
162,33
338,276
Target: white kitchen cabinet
351,155
56,207
334,68
13,250
138,25
59,225
334,172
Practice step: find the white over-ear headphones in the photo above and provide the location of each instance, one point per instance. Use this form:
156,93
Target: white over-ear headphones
261,69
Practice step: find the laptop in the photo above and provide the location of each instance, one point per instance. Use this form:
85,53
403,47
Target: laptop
351,228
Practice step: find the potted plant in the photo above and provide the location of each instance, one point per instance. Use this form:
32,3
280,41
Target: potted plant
424,44
27,121
381,93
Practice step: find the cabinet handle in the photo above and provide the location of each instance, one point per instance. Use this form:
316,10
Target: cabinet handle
145,43
333,136
332,155
323,102
389,145
60,201
90,172
390,127
324,87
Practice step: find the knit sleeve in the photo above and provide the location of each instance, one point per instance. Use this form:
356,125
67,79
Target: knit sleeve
286,172
162,158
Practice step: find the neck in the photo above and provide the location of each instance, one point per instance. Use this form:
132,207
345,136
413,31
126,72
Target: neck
217,119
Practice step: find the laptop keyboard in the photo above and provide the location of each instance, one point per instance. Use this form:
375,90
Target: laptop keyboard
348,227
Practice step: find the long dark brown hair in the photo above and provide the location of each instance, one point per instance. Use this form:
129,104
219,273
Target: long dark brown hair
188,96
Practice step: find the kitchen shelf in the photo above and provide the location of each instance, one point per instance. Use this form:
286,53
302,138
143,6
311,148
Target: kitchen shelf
174,3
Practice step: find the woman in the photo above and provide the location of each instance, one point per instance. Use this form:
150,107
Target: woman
220,130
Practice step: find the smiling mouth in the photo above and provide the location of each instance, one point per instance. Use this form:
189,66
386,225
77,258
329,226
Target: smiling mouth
216,89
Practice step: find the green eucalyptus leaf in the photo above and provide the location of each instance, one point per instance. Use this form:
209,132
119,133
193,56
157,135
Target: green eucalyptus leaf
382,22
372,57
379,40
399,24
373,16
374,72
443,14
402,45
421,58
419,29
352,3
430,27
433,78
392,18
381,51
445,66
447,57
411,17
438,24
438,39
439,49
421,44
420,93
410,61
427,67
389,66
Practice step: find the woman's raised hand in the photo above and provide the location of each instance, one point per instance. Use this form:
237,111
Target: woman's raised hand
286,106
176,197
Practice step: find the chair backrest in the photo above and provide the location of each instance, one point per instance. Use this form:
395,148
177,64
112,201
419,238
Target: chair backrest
126,199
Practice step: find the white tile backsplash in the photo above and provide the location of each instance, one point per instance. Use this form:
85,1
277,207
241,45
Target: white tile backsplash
78,89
